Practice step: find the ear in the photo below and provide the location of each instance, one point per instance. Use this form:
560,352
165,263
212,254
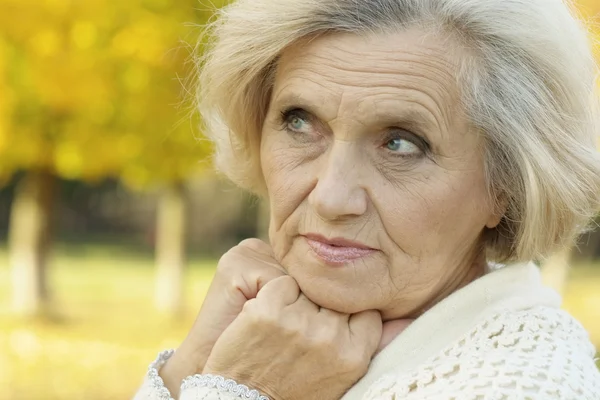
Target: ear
499,209
493,221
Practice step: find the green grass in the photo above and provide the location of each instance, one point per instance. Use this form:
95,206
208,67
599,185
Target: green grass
104,330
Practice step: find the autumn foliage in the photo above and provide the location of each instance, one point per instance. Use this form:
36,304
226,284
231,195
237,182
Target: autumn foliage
96,88
93,89
99,88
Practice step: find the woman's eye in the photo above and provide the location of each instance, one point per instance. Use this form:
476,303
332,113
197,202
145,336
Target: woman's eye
296,123
402,146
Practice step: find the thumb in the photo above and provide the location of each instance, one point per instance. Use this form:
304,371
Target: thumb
365,327
280,292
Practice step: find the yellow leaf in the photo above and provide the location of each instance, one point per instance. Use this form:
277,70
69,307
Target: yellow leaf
68,161
46,43
84,34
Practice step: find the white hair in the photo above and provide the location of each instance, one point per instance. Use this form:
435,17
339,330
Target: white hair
528,85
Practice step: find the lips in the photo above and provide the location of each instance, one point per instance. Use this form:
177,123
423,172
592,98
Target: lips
337,251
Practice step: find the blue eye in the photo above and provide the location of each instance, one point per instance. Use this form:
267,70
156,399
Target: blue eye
296,123
399,145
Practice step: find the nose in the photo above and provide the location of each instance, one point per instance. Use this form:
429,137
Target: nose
339,193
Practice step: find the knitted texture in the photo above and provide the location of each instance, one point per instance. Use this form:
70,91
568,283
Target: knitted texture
540,353
501,337
536,354
204,393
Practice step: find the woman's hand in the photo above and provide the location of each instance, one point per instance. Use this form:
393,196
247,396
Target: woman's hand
287,347
241,273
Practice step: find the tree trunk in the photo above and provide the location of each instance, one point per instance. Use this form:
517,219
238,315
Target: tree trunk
29,242
170,249
555,270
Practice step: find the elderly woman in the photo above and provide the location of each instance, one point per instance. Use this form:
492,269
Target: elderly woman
417,155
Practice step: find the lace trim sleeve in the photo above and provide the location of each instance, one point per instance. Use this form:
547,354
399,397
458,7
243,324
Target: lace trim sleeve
197,387
153,387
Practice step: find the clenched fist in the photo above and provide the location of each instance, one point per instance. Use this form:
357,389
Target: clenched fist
241,273
289,348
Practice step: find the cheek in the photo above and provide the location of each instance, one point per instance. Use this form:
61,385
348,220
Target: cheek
288,179
436,215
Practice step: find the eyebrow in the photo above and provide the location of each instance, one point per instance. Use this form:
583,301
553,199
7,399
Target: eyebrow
410,118
294,100
408,115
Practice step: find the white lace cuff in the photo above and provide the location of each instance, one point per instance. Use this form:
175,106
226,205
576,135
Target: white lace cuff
154,387
224,386
197,387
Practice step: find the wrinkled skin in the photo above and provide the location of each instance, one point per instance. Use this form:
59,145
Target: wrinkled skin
352,162
365,141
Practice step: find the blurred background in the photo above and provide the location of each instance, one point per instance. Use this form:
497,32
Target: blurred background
111,218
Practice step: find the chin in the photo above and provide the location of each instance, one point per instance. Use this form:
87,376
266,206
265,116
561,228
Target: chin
349,288
336,296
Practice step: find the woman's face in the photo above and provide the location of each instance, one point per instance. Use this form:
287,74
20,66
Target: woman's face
375,179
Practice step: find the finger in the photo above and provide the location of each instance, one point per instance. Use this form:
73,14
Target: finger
366,327
257,245
262,253
254,279
281,291
331,314
303,303
266,275
264,268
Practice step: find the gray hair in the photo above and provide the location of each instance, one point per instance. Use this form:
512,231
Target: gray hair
528,86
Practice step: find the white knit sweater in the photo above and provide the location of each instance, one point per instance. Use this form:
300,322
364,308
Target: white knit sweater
503,337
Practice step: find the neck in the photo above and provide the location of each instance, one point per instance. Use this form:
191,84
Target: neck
475,269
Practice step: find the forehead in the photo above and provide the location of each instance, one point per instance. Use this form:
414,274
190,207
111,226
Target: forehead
383,53
408,70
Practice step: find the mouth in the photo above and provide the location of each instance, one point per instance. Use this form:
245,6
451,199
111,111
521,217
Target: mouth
337,251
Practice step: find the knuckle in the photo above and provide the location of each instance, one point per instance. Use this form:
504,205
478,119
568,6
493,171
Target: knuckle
252,244
355,360
237,251
285,280
250,307
293,331
239,256
325,339
227,261
259,314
